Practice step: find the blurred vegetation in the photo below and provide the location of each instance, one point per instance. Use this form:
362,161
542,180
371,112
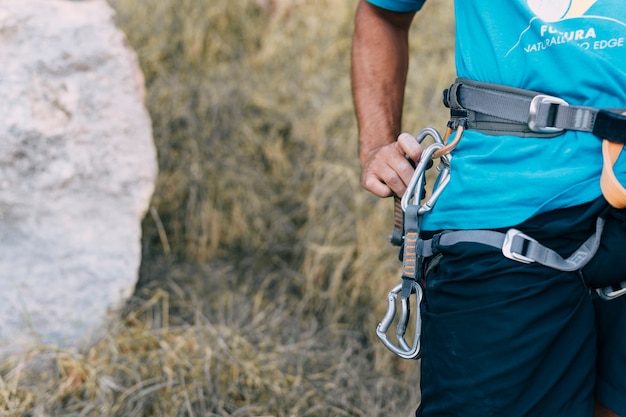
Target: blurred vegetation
265,266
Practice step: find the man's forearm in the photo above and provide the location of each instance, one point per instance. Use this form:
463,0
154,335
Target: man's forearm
379,69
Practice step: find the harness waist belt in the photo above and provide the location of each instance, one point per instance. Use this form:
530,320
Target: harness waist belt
519,247
499,110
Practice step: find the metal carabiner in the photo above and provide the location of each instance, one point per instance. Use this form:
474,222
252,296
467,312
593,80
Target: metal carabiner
439,149
402,349
444,179
416,184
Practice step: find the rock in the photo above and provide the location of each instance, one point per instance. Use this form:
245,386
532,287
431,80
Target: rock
77,170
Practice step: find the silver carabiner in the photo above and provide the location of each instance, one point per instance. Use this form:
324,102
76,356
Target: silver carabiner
444,179
402,349
416,184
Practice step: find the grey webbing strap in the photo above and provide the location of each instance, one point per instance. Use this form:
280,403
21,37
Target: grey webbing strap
506,110
519,247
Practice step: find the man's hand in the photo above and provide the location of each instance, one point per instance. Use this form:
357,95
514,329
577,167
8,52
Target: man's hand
387,170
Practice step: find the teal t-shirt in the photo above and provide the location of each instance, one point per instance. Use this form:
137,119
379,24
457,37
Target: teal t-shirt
572,49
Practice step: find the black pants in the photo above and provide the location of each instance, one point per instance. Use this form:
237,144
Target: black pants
502,338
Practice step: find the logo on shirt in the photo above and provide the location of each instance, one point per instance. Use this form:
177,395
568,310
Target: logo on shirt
561,22
555,10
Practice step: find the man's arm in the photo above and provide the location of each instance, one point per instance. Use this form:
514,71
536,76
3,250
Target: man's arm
380,60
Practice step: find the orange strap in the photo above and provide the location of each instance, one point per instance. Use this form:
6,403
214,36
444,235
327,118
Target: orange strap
613,191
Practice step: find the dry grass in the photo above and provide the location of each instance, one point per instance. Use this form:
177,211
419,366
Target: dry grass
265,265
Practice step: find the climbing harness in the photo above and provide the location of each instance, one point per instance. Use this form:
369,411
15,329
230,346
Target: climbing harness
496,110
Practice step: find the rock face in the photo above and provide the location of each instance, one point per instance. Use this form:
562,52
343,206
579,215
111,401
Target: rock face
77,170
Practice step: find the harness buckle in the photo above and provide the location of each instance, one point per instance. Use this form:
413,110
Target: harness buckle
612,291
507,246
533,110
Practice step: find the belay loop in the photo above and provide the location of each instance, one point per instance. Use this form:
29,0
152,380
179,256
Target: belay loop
411,213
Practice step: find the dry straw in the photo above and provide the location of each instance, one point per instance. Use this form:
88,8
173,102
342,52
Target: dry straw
265,266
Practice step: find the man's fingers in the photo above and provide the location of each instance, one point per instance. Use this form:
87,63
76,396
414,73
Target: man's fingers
390,170
377,187
408,145
384,179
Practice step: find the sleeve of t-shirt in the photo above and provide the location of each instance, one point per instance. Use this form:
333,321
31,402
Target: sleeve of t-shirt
398,5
